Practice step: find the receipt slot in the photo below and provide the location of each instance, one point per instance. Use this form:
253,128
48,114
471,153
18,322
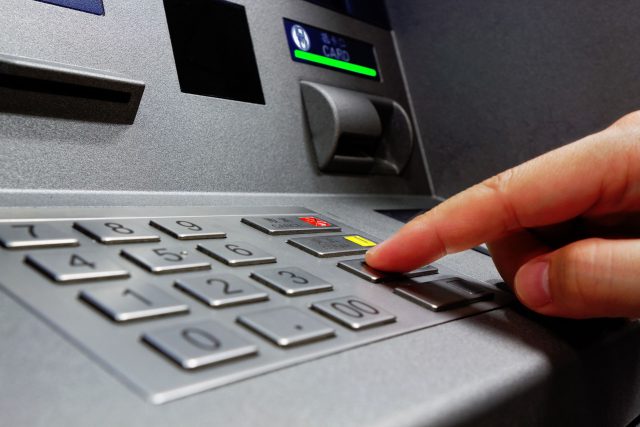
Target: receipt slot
354,132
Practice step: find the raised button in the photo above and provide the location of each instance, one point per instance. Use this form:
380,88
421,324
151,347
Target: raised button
194,345
361,269
221,290
111,231
76,265
290,224
286,326
125,303
353,312
466,287
291,281
166,260
444,293
189,228
35,235
330,246
236,254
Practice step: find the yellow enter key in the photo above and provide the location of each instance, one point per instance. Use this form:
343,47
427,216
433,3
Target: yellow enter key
360,241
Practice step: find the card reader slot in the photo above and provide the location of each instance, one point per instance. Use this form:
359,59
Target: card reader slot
355,132
30,84
34,87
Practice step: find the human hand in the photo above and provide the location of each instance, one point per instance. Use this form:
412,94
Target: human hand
563,228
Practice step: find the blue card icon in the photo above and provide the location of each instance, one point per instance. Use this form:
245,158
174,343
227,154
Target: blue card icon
90,6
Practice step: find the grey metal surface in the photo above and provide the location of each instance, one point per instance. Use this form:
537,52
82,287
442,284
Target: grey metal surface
183,142
494,83
522,368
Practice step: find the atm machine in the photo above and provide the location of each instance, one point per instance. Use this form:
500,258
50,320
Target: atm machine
189,186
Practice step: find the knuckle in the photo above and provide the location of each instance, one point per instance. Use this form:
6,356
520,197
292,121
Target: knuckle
500,182
500,185
628,120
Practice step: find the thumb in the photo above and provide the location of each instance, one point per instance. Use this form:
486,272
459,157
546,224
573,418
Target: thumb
588,278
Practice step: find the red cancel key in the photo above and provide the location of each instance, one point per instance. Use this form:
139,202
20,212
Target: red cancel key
316,222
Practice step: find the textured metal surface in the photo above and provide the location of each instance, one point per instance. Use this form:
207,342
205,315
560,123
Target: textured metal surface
184,142
494,83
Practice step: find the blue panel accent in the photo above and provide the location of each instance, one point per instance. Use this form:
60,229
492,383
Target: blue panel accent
90,6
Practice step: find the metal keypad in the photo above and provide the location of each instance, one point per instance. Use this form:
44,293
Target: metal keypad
236,254
353,312
221,290
171,335
115,231
189,228
76,265
361,269
331,246
291,281
286,326
161,260
34,235
194,345
131,302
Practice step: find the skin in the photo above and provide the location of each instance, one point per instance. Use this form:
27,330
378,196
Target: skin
563,228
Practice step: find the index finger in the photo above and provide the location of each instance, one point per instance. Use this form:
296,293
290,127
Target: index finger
593,176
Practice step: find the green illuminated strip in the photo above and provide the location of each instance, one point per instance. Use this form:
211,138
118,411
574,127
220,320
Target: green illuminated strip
312,57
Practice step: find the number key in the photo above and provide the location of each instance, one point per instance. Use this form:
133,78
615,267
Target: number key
73,266
166,260
34,235
353,312
236,254
138,301
199,344
286,326
189,228
291,281
111,231
221,290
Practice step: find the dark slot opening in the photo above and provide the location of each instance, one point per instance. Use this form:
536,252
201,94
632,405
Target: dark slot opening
213,50
31,84
351,145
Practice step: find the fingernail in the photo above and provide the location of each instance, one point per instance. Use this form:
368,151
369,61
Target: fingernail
532,284
371,251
